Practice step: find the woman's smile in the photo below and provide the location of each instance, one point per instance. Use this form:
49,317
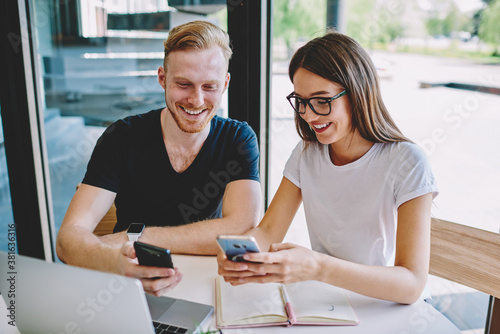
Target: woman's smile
320,127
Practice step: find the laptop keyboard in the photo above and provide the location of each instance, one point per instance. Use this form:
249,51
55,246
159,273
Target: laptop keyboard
161,328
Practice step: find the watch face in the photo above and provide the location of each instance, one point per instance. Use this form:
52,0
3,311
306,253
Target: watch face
135,228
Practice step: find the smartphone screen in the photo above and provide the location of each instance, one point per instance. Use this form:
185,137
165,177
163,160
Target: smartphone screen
152,256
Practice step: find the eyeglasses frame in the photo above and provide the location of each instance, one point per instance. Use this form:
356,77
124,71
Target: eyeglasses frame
307,101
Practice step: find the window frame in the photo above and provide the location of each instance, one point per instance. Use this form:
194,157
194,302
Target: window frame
23,134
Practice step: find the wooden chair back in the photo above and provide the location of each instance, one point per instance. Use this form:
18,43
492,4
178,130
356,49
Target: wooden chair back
466,255
107,223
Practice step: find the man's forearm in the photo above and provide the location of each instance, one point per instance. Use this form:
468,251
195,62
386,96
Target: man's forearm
195,238
79,247
241,210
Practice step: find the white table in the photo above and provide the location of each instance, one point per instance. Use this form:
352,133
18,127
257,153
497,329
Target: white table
376,316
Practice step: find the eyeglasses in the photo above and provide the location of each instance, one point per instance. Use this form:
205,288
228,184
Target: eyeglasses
319,105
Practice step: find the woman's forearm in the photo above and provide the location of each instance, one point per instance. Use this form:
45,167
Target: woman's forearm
395,283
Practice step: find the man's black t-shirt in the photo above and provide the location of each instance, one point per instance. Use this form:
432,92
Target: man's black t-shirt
130,159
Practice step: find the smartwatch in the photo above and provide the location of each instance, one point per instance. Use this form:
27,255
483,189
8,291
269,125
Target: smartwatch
135,231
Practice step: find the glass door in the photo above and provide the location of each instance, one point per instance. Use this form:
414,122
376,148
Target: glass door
440,83
97,62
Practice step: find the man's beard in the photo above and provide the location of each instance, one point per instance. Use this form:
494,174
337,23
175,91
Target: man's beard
186,129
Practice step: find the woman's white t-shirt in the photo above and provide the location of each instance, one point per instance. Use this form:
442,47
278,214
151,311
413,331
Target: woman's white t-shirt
351,210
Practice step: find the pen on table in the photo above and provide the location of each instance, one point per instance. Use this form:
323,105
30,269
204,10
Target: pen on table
288,305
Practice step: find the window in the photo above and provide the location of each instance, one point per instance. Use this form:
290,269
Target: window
452,122
98,62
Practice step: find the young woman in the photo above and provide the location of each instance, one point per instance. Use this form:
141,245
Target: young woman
367,190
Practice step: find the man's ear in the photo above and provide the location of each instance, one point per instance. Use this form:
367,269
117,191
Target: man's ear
226,82
161,77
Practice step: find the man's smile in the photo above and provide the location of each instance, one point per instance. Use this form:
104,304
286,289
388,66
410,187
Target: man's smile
193,112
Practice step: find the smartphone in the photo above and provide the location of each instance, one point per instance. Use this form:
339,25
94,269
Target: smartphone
149,255
235,246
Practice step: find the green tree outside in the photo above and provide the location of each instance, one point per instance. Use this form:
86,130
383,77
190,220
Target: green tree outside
489,28
358,25
371,21
295,20
453,21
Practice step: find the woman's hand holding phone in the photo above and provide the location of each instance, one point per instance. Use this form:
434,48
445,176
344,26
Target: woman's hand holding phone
232,271
284,263
236,246
232,265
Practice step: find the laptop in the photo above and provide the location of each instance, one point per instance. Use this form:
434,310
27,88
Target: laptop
56,298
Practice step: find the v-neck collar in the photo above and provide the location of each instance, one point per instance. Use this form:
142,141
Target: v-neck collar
193,164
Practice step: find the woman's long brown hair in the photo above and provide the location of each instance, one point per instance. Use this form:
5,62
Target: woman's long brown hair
340,59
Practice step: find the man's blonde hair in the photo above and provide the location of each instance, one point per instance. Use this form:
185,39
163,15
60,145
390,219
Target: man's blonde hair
197,35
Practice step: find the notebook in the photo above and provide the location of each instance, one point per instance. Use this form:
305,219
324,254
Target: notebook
273,304
58,298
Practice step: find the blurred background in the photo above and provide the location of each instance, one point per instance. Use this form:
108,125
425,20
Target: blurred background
438,62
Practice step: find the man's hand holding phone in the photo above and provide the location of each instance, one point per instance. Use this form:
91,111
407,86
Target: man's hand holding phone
156,280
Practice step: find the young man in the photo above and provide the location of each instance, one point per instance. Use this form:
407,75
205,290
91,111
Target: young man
185,173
